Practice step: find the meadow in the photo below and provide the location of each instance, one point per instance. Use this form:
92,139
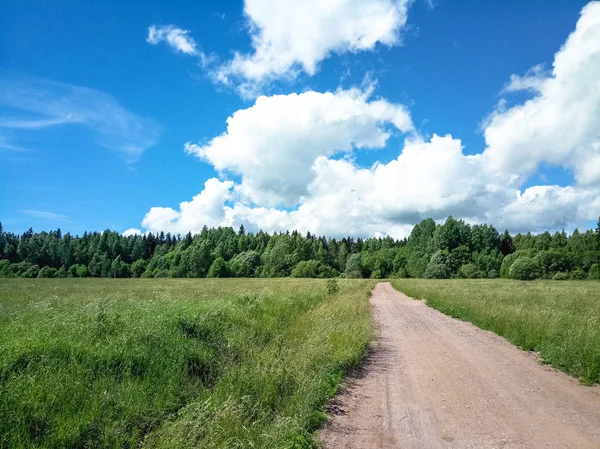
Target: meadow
559,320
174,362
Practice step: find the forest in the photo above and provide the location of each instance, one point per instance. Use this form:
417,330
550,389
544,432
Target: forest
454,249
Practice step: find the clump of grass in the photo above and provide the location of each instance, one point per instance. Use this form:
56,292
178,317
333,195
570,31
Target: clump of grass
560,320
174,363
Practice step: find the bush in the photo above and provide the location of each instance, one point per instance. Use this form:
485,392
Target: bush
560,276
595,271
332,287
311,269
524,269
493,274
138,267
218,269
469,271
82,271
46,272
61,273
578,274
401,274
437,271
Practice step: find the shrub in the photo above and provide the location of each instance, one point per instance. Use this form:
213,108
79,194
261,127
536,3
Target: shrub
61,273
595,271
332,286
493,274
311,269
138,267
402,273
578,274
82,271
524,269
469,271
560,276
46,272
376,274
218,269
506,265
437,271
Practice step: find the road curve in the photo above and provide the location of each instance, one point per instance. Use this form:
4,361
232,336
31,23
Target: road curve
432,381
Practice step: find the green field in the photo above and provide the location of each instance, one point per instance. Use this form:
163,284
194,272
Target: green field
174,363
560,320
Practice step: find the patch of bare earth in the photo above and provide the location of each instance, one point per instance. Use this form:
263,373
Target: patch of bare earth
432,381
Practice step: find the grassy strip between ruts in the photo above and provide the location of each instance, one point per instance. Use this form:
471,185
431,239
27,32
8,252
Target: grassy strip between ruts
174,363
560,320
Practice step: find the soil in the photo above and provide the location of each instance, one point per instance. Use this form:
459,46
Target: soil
431,381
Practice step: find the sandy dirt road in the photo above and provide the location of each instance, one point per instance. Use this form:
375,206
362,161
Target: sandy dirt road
435,382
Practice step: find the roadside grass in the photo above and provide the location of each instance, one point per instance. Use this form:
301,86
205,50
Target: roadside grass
560,320
174,363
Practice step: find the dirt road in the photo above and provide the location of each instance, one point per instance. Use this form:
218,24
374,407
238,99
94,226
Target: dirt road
436,382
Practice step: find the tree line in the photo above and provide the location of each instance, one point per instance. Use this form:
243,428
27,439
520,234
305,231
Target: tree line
451,249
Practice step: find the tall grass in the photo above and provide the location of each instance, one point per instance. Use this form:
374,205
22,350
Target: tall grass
560,320
174,363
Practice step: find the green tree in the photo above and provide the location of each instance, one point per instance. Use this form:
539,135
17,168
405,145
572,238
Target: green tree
218,269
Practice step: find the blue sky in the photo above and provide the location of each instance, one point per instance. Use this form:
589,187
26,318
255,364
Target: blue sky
94,115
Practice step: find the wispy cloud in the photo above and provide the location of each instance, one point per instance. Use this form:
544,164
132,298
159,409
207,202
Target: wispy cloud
35,104
23,123
45,215
179,40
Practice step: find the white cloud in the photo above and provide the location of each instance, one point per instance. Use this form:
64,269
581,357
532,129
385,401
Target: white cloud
206,208
560,124
274,143
176,38
295,35
284,146
540,208
36,104
45,215
132,231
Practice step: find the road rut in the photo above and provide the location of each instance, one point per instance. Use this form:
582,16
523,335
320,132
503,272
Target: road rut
432,381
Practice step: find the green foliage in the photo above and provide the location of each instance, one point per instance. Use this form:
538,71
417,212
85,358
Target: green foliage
557,319
493,274
177,363
218,269
245,264
138,267
470,271
453,244
82,271
46,272
332,286
437,271
578,274
561,276
595,271
353,267
524,269
311,269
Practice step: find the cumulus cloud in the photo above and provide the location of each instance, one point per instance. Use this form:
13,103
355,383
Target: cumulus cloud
206,208
295,35
560,124
274,143
132,231
177,39
284,149
35,104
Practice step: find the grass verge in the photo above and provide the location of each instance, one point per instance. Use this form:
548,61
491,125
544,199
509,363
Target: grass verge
174,363
560,320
